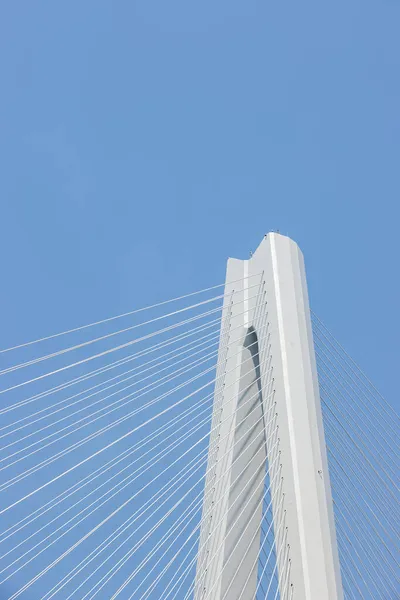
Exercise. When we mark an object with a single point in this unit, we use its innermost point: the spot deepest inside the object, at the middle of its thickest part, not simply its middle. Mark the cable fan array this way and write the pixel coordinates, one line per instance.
(103, 457)
(362, 436)
(108, 459)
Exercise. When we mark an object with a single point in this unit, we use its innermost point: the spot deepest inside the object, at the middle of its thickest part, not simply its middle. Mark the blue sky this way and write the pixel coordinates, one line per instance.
(142, 143)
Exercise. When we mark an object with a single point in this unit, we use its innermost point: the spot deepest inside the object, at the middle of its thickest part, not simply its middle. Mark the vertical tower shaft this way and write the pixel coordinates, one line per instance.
(270, 385)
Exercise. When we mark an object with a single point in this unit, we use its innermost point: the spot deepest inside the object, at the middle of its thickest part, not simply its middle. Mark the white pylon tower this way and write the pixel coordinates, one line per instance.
(270, 363)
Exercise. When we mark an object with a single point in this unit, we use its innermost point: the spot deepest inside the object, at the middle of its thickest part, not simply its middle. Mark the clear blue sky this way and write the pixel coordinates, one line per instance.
(144, 142)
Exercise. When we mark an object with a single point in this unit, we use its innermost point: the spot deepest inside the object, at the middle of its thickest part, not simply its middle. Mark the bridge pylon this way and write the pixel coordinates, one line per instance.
(268, 408)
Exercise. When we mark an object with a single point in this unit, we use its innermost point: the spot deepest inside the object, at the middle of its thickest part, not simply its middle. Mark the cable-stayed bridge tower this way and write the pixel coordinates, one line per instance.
(219, 445)
(270, 360)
